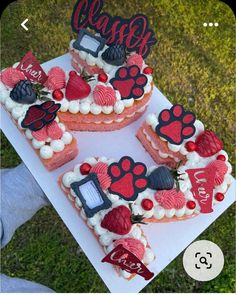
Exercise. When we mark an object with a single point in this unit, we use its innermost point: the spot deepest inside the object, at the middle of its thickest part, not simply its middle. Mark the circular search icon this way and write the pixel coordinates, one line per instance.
(203, 260)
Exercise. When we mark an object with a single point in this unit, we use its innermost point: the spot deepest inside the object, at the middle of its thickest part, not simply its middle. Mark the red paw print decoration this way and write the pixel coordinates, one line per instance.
(128, 178)
(41, 115)
(176, 124)
(129, 82)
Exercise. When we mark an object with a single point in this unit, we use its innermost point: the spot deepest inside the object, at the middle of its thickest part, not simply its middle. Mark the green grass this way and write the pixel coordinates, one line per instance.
(190, 61)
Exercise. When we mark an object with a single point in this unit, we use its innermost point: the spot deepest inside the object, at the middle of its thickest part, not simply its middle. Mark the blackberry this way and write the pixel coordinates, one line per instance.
(114, 55)
(23, 93)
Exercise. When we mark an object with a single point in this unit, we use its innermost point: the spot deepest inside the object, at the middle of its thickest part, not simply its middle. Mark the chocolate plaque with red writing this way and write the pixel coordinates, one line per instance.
(31, 68)
(202, 180)
(128, 261)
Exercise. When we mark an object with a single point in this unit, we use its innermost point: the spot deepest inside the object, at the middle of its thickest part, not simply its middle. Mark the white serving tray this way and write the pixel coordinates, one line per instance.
(167, 240)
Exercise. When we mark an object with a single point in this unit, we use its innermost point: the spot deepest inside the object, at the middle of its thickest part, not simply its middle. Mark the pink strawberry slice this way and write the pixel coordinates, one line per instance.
(40, 135)
(77, 88)
(124, 87)
(173, 131)
(124, 186)
(54, 131)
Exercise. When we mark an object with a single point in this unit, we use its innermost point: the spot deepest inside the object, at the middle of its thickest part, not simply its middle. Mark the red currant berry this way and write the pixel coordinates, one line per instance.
(148, 70)
(191, 205)
(147, 204)
(102, 77)
(221, 158)
(72, 73)
(85, 168)
(190, 146)
(57, 94)
(219, 197)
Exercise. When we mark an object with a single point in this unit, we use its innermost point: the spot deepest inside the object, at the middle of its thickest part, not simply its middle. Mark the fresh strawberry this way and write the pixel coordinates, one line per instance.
(221, 169)
(77, 87)
(133, 245)
(120, 219)
(56, 78)
(208, 144)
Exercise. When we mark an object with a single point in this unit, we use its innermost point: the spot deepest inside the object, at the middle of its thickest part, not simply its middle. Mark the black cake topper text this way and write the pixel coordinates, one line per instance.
(133, 33)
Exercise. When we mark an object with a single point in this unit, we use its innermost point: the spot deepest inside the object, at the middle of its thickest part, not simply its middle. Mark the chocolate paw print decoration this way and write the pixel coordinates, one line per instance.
(128, 178)
(129, 82)
(176, 124)
(41, 115)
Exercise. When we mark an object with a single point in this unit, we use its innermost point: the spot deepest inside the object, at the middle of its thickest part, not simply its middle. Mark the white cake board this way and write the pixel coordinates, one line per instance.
(167, 240)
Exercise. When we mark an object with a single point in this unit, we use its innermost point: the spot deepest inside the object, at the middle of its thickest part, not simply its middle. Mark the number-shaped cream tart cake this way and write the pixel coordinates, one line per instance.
(116, 198)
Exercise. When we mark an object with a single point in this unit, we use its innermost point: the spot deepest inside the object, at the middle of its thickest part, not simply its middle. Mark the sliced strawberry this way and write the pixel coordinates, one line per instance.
(40, 135)
(54, 131)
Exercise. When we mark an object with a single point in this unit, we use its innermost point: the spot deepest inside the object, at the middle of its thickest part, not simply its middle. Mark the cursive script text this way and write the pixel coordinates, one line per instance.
(134, 33)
